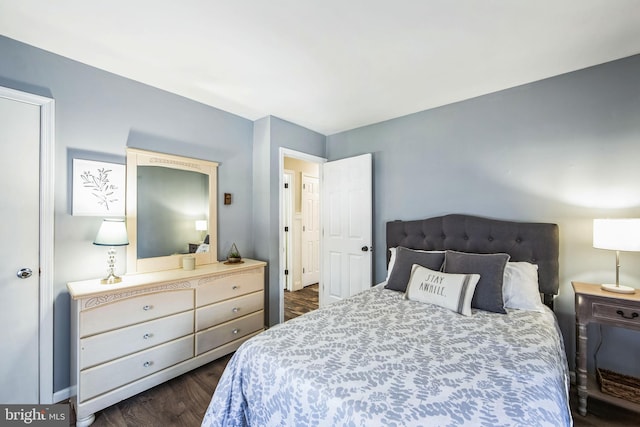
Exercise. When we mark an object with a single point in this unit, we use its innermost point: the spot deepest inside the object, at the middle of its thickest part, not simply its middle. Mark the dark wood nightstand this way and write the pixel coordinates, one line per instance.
(193, 247)
(607, 308)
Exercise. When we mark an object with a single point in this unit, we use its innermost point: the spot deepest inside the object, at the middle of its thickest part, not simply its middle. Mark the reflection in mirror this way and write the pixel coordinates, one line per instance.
(174, 203)
(171, 211)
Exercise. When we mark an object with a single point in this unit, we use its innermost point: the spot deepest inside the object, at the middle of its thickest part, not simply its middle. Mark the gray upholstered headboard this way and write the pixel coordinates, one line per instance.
(537, 243)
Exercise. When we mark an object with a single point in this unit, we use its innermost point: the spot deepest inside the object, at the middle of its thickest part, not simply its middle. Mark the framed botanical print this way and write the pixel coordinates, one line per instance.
(98, 188)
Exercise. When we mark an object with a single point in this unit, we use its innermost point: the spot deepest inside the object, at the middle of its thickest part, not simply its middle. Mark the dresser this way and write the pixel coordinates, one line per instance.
(594, 305)
(130, 336)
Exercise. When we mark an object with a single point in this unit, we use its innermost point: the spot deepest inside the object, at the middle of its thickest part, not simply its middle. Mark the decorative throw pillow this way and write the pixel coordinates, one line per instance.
(392, 258)
(405, 258)
(452, 291)
(490, 267)
(520, 288)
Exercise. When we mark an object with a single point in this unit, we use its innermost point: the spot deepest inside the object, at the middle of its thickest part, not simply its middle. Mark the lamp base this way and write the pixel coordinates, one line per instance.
(111, 279)
(618, 289)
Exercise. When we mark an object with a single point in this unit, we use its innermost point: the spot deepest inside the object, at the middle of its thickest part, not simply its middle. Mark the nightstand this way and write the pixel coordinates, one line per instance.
(607, 308)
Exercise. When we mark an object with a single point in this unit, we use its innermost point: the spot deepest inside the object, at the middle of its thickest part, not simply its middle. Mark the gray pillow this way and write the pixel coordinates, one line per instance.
(405, 258)
(490, 267)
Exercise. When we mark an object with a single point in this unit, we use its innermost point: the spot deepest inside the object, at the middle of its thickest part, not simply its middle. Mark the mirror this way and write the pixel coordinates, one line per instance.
(171, 211)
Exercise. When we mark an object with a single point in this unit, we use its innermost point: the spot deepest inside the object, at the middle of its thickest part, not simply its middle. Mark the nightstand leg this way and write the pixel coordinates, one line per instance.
(581, 367)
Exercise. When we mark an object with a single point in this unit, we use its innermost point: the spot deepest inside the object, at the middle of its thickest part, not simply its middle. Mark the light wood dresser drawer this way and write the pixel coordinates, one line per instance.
(227, 332)
(134, 310)
(230, 286)
(224, 311)
(107, 346)
(102, 378)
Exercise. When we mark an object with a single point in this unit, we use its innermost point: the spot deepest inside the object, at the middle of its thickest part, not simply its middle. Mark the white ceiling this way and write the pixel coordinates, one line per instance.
(329, 65)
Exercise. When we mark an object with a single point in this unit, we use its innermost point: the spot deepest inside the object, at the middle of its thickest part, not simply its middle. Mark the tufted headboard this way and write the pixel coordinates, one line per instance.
(537, 243)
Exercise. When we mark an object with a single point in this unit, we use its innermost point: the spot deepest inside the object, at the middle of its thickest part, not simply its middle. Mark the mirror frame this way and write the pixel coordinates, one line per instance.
(135, 158)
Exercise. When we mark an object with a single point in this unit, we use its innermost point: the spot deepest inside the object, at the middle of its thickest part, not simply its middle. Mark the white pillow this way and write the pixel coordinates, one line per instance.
(202, 248)
(520, 287)
(392, 260)
(452, 291)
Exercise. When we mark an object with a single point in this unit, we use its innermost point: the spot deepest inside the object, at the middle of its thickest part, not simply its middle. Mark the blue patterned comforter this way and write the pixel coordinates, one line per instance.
(377, 359)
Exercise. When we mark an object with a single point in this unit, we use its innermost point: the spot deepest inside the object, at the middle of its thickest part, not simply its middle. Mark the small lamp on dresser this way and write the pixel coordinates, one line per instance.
(201, 226)
(617, 235)
(112, 233)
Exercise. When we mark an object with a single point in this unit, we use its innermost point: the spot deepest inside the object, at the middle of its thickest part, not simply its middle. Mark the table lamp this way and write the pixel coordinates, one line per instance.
(201, 226)
(112, 233)
(617, 235)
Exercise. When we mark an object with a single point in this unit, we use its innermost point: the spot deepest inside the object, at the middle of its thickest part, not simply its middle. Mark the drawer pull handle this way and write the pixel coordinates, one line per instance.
(236, 331)
(235, 309)
(147, 364)
(147, 307)
(234, 287)
(633, 315)
(147, 336)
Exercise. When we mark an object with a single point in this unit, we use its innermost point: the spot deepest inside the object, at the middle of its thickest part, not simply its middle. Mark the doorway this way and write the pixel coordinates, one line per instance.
(345, 243)
(27, 252)
(299, 232)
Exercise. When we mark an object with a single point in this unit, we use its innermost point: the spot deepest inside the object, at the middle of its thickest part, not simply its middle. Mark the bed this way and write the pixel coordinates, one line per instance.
(387, 357)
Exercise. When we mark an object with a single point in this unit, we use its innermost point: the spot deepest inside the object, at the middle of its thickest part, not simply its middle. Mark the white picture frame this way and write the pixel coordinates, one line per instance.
(98, 188)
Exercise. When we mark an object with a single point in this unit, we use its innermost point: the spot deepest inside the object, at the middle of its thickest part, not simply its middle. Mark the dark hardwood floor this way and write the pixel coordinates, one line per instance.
(300, 302)
(182, 402)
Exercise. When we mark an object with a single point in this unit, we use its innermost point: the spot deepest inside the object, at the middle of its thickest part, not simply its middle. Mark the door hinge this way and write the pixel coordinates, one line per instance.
(286, 272)
(286, 229)
(286, 185)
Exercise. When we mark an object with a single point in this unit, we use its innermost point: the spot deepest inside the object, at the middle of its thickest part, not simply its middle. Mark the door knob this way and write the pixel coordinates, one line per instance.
(24, 273)
(365, 249)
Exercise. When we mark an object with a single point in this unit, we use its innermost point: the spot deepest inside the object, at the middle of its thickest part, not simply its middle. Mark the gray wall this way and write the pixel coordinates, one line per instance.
(563, 150)
(98, 114)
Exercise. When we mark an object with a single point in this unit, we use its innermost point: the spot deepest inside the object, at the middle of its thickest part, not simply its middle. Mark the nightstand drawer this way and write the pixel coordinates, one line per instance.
(134, 310)
(617, 313)
(121, 342)
(102, 378)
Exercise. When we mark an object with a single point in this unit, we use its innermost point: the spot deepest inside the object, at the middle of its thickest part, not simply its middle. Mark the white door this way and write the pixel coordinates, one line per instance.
(347, 227)
(19, 204)
(310, 230)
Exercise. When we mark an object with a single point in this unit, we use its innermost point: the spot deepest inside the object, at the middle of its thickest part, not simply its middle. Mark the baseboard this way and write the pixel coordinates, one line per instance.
(64, 394)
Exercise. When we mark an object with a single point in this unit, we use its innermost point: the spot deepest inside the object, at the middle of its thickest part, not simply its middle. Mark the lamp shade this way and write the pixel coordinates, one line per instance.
(112, 232)
(617, 234)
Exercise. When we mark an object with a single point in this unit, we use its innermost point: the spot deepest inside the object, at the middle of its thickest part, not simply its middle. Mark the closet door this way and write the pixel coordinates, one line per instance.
(310, 206)
(19, 251)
